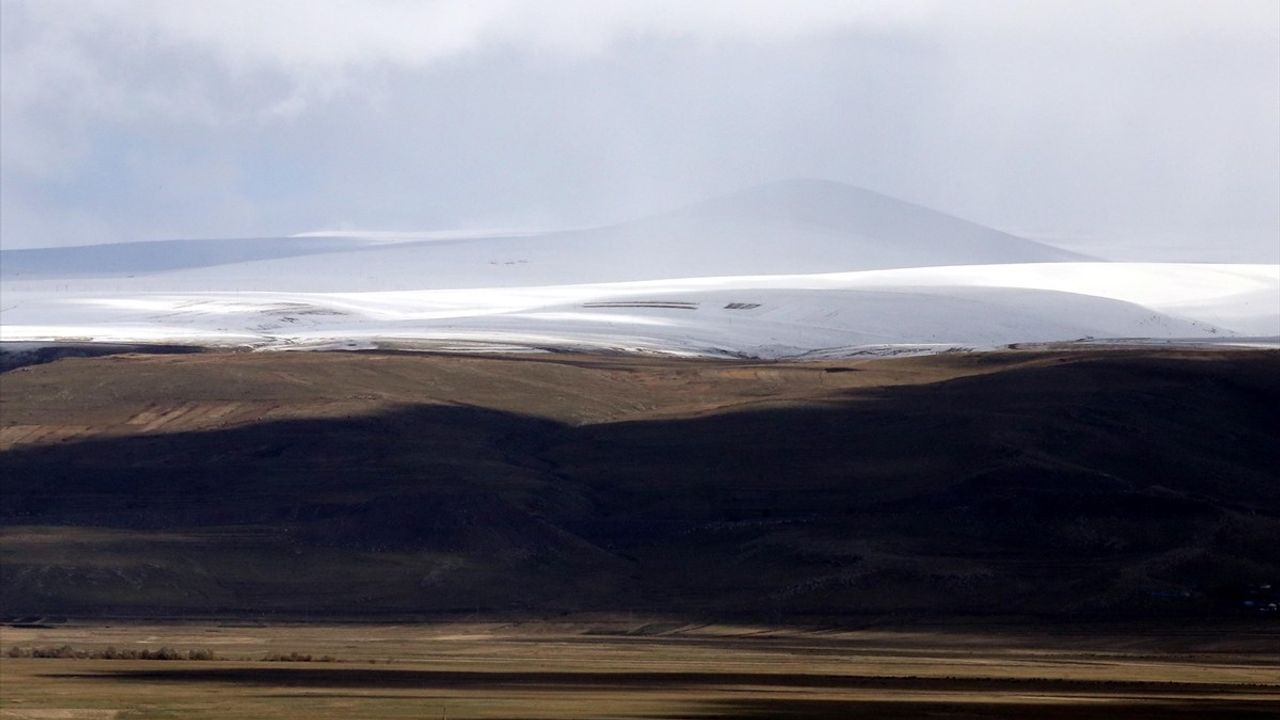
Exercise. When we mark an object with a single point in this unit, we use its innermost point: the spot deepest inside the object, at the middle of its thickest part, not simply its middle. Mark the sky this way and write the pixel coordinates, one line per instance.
(1146, 129)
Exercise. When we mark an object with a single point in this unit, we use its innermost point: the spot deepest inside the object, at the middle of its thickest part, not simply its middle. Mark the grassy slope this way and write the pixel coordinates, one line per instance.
(1048, 484)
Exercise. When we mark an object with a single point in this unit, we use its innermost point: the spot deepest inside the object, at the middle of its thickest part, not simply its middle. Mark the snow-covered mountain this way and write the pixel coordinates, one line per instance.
(781, 270)
(799, 226)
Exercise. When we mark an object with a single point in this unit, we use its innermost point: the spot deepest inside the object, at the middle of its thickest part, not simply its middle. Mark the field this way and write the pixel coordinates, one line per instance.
(625, 669)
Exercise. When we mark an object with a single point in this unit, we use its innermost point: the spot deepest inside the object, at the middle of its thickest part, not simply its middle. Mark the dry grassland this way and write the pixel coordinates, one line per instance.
(636, 670)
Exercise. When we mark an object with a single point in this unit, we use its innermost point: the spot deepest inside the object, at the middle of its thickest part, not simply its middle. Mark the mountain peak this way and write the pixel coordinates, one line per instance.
(814, 199)
(886, 231)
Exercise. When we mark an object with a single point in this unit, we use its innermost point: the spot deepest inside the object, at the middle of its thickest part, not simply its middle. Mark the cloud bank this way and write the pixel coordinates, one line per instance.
(1141, 124)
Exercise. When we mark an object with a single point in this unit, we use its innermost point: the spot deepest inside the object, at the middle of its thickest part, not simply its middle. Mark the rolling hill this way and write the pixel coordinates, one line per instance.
(1063, 484)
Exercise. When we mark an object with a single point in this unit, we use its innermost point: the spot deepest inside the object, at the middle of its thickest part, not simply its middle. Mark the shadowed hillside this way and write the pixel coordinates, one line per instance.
(1082, 484)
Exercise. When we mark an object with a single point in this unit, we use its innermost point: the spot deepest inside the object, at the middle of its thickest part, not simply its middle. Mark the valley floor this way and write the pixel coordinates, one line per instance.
(634, 669)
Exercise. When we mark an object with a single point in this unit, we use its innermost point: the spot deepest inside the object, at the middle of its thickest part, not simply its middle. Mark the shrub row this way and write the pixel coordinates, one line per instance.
(164, 653)
(111, 653)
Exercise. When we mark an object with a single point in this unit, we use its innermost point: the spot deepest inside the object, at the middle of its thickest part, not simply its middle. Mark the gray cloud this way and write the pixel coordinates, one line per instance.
(1138, 126)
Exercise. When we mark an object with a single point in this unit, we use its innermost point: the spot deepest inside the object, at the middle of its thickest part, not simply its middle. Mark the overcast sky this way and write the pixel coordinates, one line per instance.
(1140, 127)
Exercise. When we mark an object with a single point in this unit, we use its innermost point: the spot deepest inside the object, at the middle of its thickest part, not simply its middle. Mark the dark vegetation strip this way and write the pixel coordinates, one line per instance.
(67, 652)
(444, 679)
(1038, 708)
(12, 359)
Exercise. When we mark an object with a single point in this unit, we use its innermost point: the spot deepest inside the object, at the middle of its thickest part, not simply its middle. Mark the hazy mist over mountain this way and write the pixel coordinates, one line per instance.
(1135, 131)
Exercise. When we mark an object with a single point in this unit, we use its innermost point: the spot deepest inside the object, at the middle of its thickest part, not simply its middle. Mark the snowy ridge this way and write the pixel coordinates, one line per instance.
(747, 274)
(756, 316)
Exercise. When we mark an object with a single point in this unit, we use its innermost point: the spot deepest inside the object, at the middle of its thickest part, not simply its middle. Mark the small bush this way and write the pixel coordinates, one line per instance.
(62, 652)
(291, 657)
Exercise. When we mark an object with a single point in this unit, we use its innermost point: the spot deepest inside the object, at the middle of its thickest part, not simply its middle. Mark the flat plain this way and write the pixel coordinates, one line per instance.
(629, 669)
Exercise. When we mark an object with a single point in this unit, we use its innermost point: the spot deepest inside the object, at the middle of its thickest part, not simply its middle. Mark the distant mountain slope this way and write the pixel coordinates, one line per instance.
(159, 256)
(780, 270)
(819, 225)
(780, 228)
(800, 226)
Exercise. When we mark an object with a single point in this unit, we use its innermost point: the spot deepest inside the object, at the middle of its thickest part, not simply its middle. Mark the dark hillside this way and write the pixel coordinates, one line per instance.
(1089, 484)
